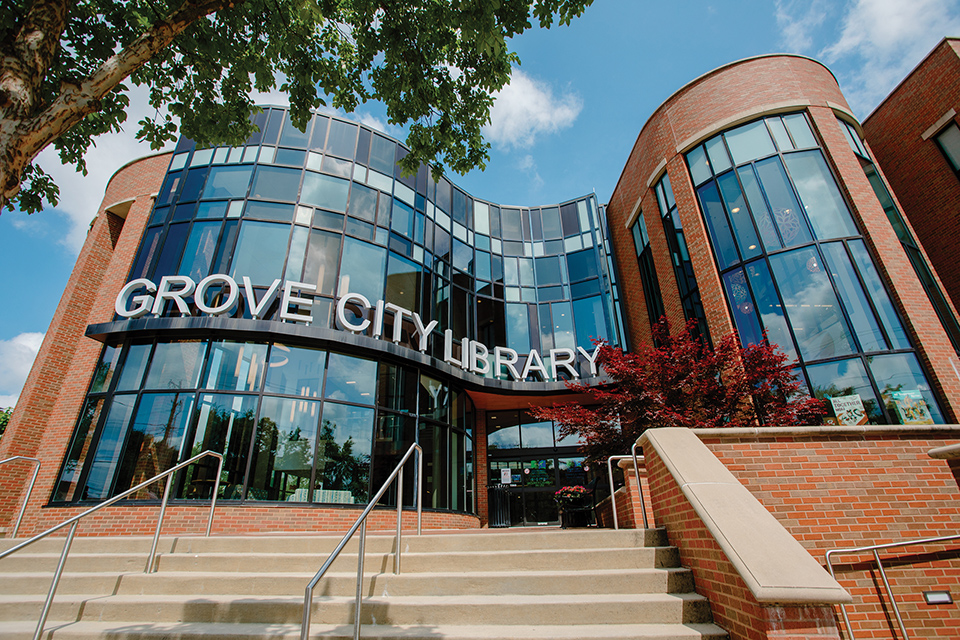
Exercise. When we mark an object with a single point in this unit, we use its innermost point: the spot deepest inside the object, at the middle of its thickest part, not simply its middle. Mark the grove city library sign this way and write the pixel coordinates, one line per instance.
(142, 296)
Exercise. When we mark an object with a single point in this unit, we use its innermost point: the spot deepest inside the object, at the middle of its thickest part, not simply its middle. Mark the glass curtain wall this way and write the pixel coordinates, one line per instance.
(295, 425)
(795, 266)
(331, 208)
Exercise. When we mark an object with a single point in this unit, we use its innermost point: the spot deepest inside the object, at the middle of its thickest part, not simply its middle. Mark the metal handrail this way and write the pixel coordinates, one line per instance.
(886, 584)
(636, 473)
(362, 524)
(33, 481)
(74, 521)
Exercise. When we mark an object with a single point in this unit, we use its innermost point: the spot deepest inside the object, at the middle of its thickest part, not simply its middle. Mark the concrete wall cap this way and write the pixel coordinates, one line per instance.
(949, 452)
(774, 566)
(830, 430)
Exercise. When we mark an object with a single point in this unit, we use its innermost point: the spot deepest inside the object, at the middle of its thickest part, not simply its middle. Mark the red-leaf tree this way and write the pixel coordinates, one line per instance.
(683, 383)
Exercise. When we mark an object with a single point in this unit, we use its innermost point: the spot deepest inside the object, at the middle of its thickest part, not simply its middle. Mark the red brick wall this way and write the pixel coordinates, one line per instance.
(54, 391)
(840, 489)
(924, 182)
(241, 520)
(731, 602)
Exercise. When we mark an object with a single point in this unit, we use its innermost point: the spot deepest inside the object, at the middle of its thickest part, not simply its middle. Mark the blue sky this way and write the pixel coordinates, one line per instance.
(563, 128)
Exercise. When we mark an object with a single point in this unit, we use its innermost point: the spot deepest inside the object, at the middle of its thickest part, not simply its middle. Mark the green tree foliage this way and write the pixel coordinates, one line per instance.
(683, 383)
(434, 63)
(5, 418)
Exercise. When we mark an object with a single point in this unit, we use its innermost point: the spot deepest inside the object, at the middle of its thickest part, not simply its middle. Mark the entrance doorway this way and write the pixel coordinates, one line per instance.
(527, 462)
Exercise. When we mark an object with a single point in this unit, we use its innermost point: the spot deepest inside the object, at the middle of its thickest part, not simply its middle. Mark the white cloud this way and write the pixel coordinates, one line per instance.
(875, 43)
(526, 108)
(16, 358)
(889, 38)
(529, 166)
(798, 21)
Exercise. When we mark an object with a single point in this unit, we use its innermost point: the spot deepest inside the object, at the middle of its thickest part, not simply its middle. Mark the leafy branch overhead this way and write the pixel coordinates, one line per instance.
(683, 383)
(435, 65)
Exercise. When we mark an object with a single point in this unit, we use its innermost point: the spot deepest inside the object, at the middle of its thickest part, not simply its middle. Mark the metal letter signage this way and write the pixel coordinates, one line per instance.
(354, 313)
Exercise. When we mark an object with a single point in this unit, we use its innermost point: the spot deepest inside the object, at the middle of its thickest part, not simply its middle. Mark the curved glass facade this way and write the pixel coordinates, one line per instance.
(298, 304)
(795, 266)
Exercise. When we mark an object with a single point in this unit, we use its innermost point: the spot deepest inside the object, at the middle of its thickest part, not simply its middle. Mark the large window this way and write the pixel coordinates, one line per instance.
(797, 273)
(295, 425)
(949, 142)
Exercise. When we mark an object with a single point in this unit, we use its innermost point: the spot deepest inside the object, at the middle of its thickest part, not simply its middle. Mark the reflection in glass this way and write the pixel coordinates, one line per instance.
(276, 183)
(395, 434)
(225, 425)
(227, 182)
(744, 313)
(905, 390)
(350, 379)
(854, 300)
(295, 371)
(720, 233)
(590, 322)
(821, 199)
(362, 269)
(770, 309)
(811, 305)
(749, 142)
(261, 249)
(105, 370)
(758, 205)
(107, 457)
(434, 399)
(78, 449)
(199, 250)
(343, 454)
(844, 379)
(878, 293)
(325, 192)
(153, 442)
(133, 367)
(235, 366)
(283, 450)
(175, 365)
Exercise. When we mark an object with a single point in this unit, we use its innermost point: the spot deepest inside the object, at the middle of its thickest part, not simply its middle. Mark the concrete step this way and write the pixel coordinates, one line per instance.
(667, 580)
(260, 631)
(533, 584)
(534, 559)
(597, 609)
(381, 542)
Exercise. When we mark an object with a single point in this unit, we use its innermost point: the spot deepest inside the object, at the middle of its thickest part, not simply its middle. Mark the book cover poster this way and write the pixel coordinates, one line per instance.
(849, 410)
(911, 407)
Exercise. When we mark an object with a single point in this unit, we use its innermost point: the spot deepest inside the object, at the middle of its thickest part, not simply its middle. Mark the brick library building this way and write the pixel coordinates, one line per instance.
(301, 307)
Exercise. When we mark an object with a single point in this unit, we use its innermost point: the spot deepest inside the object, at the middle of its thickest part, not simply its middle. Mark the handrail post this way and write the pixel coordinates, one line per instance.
(216, 493)
(613, 495)
(55, 583)
(893, 601)
(419, 488)
(33, 482)
(156, 534)
(396, 561)
(636, 473)
(843, 608)
(356, 615)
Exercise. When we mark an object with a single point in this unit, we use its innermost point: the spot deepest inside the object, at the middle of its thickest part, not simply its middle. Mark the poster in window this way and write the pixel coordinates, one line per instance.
(911, 407)
(849, 410)
(505, 476)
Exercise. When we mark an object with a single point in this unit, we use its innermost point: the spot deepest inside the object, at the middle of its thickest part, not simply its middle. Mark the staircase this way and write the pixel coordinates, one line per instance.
(489, 585)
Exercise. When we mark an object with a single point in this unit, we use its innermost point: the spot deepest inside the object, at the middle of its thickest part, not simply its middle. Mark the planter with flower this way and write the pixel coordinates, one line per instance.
(575, 507)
